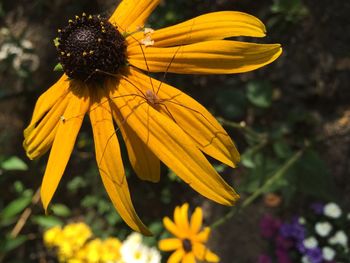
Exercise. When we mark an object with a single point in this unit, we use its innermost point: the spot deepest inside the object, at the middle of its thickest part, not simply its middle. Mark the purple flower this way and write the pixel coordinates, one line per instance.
(301, 247)
(269, 226)
(314, 255)
(282, 256)
(317, 207)
(264, 259)
(293, 230)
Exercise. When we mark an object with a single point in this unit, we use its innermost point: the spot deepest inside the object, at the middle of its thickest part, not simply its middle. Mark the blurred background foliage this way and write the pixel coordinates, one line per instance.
(290, 121)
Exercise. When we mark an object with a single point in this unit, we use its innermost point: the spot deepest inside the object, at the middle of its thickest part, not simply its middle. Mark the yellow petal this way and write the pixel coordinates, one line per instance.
(209, 57)
(176, 256)
(211, 26)
(203, 236)
(145, 164)
(38, 140)
(63, 144)
(192, 117)
(110, 163)
(170, 244)
(38, 137)
(189, 258)
(172, 228)
(203, 253)
(49, 98)
(181, 217)
(173, 147)
(132, 14)
(196, 220)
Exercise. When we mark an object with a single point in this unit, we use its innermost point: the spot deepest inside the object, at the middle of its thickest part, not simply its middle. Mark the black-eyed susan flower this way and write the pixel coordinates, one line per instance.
(104, 63)
(189, 243)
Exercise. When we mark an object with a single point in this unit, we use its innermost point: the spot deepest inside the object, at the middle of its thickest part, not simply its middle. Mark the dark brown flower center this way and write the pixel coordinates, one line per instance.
(187, 245)
(90, 47)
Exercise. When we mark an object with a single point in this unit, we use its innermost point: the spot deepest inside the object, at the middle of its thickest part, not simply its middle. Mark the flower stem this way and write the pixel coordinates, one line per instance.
(277, 176)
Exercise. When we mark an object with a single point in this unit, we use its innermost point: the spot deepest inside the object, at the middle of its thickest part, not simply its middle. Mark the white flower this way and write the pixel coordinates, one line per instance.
(4, 31)
(30, 61)
(301, 220)
(332, 210)
(26, 44)
(310, 242)
(323, 228)
(154, 256)
(328, 253)
(134, 251)
(305, 259)
(339, 238)
(10, 49)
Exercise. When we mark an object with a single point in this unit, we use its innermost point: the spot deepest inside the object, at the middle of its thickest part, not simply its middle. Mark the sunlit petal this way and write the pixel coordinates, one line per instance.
(189, 258)
(110, 163)
(211, 26)
(192, 117)
(145, 164)
(176, 256)
(170, 244)
(172, 228)
(63, 144)
(131, 15)
(40, 133)
(196, 220)
(209, 57)
(203, 236)
(203, 253)
(173, 147)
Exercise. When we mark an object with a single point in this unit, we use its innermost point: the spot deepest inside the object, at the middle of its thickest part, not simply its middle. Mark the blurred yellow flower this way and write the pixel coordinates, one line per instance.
(190, 241)
(103, 62)
(73, 245)
(51, 236)
(111, 250)
(67, 240)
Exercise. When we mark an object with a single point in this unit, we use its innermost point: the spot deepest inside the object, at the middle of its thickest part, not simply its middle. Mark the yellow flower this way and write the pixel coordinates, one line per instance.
(189, 242)
(103, 62)
(51, 236)
(72, 239)
(92, 251)
(111, 250)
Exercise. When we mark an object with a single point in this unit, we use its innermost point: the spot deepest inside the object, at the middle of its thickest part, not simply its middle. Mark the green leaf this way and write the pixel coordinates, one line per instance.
(60, 210)
(14, 163)
(282, 149)
(15, 207)
(156, 228)
(247, 159)
(312, 177)
(11, 243)
(58, 67)
(259, 93)
(47, 221)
